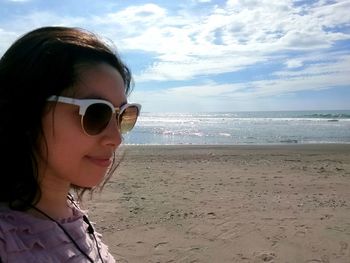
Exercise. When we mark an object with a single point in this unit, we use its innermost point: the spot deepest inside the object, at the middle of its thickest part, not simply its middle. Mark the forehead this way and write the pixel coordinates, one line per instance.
(101, 81)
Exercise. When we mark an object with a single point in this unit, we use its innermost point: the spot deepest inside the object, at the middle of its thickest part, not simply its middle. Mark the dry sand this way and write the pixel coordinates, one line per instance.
(228, 204)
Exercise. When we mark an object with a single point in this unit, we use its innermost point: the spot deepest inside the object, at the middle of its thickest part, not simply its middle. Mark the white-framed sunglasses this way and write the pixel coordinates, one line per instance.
(96, 114)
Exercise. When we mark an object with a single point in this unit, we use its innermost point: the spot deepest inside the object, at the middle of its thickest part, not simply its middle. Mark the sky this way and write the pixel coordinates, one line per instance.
(212, 56)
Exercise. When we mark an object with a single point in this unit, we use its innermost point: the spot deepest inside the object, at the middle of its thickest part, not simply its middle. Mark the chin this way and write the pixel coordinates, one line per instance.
(92, 182)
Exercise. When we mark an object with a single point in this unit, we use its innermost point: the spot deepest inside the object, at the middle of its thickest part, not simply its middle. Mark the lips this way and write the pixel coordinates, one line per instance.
(100, 161)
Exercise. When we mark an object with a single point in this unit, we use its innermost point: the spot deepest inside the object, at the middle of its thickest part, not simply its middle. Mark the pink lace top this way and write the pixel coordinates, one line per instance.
(24, 238)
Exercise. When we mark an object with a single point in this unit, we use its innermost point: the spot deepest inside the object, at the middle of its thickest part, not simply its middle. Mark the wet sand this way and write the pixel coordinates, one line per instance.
(288, 203)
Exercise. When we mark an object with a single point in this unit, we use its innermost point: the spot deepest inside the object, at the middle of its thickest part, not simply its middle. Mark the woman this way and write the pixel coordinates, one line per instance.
(63, 109)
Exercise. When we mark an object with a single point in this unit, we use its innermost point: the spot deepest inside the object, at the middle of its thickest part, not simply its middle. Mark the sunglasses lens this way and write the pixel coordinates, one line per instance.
(128, 119)
(96, 118)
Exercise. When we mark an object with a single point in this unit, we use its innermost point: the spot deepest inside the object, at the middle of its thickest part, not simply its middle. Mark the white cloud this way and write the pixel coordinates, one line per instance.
(143, 15)
(19, 1)
(207, 90)
(189, 68)
(259, 26)
(294, 63)
(318, 75)
(187, 44)
(6, 37)
(332, 15)
(335, 63)
(21, 24)
(244, 31)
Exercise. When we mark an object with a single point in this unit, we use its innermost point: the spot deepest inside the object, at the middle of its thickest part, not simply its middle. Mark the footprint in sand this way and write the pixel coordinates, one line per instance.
(343, 247)
(265, 256)
(324, 259)
(160, 245)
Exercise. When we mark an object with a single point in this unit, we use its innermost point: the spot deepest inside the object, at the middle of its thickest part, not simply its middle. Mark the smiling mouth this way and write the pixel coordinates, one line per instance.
(102, 162)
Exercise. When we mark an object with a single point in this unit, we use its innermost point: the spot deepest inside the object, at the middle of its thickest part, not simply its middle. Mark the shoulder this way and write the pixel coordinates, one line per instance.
(3, 253)
(25, 238)
(9, 232)
(21, 234)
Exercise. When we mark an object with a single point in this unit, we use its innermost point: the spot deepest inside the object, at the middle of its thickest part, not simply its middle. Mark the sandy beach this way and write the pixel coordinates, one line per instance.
(287, 203)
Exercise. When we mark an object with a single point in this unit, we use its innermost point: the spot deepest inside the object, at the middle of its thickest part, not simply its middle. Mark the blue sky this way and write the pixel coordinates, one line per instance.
(206, 55)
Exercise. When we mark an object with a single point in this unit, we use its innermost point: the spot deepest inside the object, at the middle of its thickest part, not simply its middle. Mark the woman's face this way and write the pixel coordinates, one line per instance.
(74, 157)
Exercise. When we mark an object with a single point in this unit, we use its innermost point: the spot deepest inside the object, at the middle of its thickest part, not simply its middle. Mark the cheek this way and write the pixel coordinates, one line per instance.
(69, 163)
(62, 129)
(64, 144)
(65, 148)
(65, 151)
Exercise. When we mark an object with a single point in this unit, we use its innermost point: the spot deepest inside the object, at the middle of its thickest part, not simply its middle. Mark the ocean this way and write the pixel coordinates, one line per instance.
(241, 128)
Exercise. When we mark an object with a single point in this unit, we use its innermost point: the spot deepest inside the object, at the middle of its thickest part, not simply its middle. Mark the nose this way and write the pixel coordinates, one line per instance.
(111, 135)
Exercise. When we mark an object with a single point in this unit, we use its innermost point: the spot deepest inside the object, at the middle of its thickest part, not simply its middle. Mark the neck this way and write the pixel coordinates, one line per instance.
(55, 207)
(53, 200)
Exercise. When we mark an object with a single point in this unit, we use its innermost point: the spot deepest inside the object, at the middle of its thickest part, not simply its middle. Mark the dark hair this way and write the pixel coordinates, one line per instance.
(44, 62)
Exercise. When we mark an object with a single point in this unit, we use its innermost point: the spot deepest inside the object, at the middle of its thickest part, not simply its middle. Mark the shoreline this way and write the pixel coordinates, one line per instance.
(227, 203)
(239, 145)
